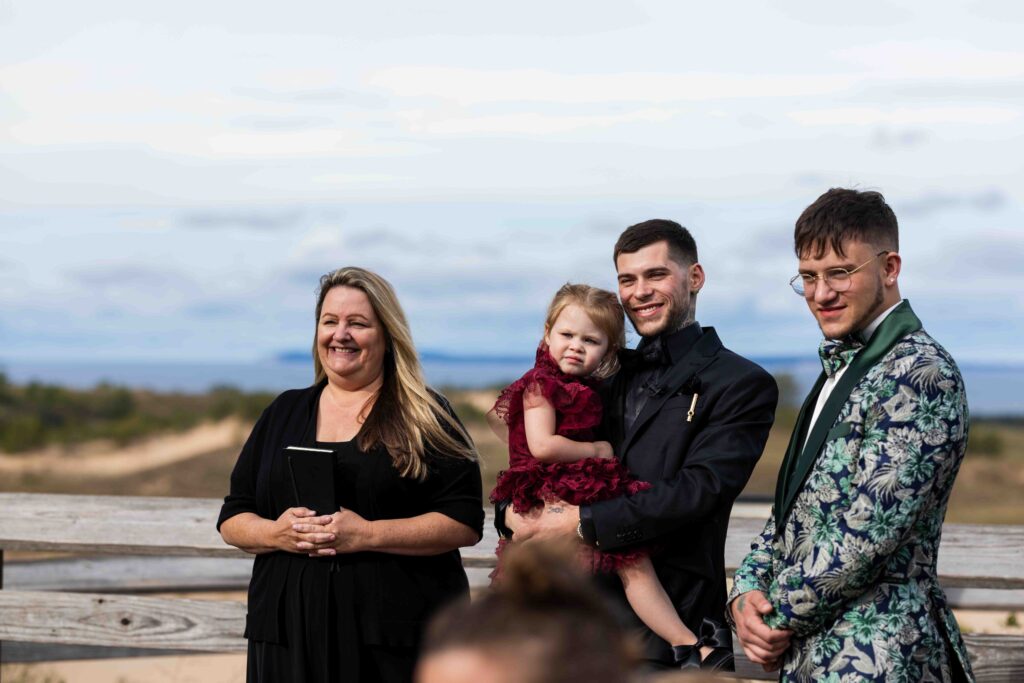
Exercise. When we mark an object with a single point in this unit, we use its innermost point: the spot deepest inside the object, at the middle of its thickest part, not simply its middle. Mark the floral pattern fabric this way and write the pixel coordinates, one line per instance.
(852, 572)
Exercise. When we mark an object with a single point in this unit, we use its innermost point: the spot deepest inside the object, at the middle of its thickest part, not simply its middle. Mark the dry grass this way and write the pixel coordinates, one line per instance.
(987, 489)
(205, 475)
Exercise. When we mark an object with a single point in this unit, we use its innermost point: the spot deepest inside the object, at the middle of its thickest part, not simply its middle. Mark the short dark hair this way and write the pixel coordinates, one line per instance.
(681, 246)
(840, 215)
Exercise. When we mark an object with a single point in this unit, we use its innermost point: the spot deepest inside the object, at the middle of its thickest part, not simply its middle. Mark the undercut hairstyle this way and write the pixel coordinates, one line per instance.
(603, 308)
(406, 418)
(841, 215)
(681, 245)
(543, 619)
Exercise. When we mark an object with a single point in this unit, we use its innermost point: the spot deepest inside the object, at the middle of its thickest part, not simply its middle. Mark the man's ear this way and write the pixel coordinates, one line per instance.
(696, 275)
(892, 266)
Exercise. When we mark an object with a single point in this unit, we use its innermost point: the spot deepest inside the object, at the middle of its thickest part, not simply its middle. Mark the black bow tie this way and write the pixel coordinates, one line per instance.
(649, 355)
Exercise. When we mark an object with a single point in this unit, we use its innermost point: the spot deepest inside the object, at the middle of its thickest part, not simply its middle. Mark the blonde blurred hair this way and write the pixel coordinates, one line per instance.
(406, 417)
(603, 308)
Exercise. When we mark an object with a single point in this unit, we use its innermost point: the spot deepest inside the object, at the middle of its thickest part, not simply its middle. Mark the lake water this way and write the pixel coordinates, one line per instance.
(991, 390)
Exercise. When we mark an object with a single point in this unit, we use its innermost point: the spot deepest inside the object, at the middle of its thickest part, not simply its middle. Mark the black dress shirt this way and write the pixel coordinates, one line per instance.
(656, 356)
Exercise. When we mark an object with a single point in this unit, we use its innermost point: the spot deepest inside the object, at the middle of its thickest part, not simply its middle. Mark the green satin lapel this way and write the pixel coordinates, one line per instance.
(897, 325)
(793, 449)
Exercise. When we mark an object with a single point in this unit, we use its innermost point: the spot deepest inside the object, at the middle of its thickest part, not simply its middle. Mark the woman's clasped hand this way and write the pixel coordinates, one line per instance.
(300, 529)
(326, 535)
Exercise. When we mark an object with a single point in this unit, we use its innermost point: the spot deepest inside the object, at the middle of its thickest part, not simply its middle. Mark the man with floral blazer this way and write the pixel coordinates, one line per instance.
(842, 583)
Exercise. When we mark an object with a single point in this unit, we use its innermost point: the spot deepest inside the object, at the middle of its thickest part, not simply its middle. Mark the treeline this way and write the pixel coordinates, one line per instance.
(36, 414)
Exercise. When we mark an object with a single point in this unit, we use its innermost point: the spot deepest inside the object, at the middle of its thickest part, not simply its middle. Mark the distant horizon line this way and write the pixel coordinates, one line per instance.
(772, 359)
(433, 355)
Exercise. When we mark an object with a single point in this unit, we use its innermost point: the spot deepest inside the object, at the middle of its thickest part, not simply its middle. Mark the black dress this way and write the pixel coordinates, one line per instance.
(357, 616)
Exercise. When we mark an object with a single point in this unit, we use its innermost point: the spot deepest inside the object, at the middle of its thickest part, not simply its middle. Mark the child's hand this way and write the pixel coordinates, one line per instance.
(603, 449)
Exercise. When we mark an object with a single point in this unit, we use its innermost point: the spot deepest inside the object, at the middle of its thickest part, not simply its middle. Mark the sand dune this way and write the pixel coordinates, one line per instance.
(102, 459)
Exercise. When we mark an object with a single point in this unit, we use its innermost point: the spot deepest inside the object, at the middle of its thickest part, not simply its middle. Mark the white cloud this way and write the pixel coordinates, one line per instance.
(357, 178)
(474, 86)
(905, 116)
(426, 122)
(331, 142)
(299, 78)
(929, 58)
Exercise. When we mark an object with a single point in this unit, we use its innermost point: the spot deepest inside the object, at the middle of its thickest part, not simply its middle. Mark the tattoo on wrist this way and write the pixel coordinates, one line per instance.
(743, 599)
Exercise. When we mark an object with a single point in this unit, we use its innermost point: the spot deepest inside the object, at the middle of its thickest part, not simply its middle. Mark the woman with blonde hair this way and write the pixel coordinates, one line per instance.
(342, 586)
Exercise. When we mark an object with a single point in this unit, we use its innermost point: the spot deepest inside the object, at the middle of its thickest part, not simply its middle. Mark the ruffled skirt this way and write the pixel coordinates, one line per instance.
(590, 480)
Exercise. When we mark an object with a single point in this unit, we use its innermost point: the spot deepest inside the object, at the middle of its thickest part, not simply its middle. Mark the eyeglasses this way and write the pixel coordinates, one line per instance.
(837, 279)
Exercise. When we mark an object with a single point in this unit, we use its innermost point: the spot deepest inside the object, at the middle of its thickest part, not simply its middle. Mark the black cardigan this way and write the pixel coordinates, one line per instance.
(397, 592)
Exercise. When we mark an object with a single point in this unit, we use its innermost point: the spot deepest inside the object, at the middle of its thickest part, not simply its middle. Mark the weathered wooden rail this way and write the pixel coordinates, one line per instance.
(980, 566)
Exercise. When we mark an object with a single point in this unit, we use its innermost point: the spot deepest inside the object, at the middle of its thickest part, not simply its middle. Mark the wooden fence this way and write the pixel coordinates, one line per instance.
(980, 566)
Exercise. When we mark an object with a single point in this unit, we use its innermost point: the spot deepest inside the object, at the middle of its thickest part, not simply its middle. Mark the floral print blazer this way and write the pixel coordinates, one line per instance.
(850, 565)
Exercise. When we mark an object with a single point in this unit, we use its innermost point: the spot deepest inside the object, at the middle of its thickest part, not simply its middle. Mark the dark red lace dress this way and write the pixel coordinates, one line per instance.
(528, 482)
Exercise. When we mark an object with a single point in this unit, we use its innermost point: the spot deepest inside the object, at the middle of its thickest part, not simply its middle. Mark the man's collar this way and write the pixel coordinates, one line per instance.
(867, 332)
(676, 344)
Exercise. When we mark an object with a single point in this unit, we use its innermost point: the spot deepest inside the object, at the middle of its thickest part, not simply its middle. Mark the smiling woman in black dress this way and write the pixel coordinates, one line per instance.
(343, 594)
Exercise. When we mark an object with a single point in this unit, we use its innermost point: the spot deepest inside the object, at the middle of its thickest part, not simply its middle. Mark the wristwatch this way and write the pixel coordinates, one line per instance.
(585, 529)
(499, 520)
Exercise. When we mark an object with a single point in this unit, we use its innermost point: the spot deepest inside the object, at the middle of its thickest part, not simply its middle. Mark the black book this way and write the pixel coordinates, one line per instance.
(312, 471)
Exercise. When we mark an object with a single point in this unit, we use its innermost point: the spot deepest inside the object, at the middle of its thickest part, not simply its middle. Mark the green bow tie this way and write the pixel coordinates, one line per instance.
(835, 353)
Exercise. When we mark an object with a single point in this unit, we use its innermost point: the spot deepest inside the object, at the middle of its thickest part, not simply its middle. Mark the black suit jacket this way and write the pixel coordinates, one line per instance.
(697, 468)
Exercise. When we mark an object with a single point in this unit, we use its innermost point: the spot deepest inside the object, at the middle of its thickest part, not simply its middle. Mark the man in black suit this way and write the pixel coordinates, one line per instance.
(685, 414)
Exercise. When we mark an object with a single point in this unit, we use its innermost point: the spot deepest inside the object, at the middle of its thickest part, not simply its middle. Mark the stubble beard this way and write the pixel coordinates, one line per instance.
(676, 318)
(865, 319)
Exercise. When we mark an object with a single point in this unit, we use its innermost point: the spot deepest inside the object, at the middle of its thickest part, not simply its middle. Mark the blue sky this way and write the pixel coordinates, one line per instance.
(174, 178)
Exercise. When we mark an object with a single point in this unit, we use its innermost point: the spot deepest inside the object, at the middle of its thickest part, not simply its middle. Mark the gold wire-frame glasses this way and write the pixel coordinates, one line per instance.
(837, 279)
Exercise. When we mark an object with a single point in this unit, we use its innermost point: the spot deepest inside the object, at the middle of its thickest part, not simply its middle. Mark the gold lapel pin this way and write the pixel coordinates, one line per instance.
(693, 406)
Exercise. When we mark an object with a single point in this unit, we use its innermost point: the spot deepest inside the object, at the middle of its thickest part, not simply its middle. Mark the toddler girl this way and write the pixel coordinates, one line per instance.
(551, 414)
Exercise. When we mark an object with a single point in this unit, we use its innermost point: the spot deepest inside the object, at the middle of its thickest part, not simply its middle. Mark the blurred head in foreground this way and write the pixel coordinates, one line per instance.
(544, 623)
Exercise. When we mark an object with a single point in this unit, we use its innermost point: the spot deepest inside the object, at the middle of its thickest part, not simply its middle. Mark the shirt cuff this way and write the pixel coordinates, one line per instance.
(587, 529)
